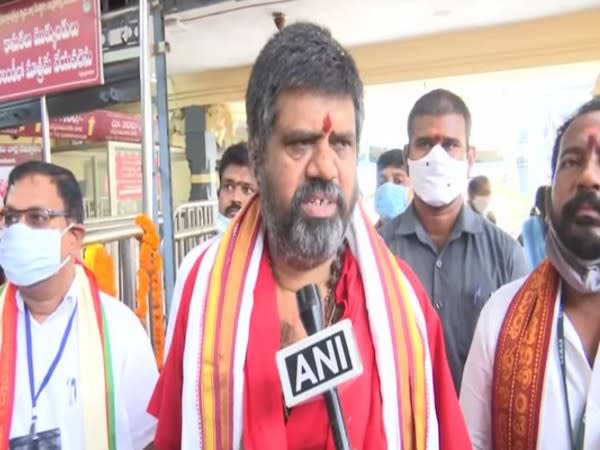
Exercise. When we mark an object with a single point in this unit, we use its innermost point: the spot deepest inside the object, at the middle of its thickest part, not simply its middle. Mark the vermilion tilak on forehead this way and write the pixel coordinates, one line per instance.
(592, 140)
(327, 124)
(437, 138)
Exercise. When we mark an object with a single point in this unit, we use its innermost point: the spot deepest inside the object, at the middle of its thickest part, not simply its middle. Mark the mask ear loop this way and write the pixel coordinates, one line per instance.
(66, 230)
(62, 234)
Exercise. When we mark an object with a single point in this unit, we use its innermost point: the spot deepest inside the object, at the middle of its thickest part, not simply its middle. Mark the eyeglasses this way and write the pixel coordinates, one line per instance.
(34, 217)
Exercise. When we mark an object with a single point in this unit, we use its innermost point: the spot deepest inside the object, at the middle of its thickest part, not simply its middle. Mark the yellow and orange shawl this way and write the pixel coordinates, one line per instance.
(520, 365)
(221, 287)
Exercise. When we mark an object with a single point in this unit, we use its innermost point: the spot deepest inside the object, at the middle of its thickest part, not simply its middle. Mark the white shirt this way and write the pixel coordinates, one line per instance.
(182, 275)
(59, 404)
(582, 382)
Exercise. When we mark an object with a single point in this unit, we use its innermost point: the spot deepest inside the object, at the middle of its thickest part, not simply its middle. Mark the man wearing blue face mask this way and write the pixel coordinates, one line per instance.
(76, 366)
(460, 257)
(392, 196)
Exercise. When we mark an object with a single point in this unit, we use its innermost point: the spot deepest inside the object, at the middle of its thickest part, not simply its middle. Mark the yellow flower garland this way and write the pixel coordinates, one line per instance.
(101, 263)
(150, 282)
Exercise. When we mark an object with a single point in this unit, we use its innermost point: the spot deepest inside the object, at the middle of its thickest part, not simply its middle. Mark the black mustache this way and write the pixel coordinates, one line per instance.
(589, 198)
(234, 207)
(322, 188)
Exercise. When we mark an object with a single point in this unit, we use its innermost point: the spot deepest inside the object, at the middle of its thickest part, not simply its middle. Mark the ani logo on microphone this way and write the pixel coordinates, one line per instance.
(319, 363)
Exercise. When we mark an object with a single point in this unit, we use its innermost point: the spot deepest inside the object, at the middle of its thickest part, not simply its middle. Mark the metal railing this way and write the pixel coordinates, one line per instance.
(195, 222)
(121, 239)
(195, 214)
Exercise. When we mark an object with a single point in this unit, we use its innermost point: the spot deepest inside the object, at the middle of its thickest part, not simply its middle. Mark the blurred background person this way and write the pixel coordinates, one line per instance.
(533, 236)
(393, 193)
(480, 195)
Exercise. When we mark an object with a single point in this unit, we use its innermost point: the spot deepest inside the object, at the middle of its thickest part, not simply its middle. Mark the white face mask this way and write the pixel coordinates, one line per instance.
(481, 203)
(437, 178)
(30, 255)
(222, 223)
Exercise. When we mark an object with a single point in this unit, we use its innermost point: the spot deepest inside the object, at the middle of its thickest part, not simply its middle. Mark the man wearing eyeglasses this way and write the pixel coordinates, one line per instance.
(76, 367)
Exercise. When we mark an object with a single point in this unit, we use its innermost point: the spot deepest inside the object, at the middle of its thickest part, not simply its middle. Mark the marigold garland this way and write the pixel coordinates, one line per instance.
(150, 282)
(101, 263)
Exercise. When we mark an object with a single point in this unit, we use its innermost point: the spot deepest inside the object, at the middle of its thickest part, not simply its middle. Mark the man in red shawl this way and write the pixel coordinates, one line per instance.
(220, 387)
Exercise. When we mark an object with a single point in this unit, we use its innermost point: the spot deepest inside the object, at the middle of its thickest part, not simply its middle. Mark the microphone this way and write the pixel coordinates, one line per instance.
(311, 314)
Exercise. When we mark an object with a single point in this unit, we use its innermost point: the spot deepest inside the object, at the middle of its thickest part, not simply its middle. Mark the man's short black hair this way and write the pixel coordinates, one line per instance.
(588, 107)
(439, 102)
(301, 57)
(476, 184)
(236, 155)
(391, 158)
(66, 184)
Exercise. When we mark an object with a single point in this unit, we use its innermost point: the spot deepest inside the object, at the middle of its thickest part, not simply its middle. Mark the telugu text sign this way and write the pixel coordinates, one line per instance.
(48, 46)
(95, 126)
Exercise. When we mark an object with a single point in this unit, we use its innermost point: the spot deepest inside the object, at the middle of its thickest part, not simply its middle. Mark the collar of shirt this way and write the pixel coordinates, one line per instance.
(65, 307)
(468, 222)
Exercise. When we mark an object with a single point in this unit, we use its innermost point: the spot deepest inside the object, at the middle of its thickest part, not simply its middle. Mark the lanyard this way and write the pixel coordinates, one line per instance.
(35, 395)
(575, 438)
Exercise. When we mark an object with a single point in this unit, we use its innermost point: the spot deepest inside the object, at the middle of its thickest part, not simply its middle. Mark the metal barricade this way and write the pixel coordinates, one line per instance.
(192, 215)
(195, 222)
(121, 239)
(188, 239)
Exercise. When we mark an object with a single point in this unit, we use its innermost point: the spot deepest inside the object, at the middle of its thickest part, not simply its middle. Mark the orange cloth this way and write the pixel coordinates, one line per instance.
(520, 363)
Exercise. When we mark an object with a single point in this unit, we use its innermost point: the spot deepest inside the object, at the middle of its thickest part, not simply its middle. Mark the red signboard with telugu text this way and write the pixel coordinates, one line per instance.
(49, 46)
(95, 126)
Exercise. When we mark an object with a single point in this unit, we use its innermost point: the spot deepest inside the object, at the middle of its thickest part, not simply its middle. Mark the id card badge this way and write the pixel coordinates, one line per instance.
(45, 440)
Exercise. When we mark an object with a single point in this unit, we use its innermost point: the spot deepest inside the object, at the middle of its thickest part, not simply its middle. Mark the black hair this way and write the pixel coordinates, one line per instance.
(439, 102)
(236, 155)
(476, 184)
(588, 107)
(302, 56)
(540, 198)
(390, 158)
(66, 184)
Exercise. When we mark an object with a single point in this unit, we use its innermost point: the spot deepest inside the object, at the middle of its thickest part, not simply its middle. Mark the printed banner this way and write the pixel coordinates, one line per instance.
(49, 46)
(129, 174)
(96, 126)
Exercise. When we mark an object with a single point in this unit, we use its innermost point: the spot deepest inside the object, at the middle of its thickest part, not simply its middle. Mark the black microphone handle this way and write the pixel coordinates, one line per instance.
(310, 308)
(336, 418)
(311, 314)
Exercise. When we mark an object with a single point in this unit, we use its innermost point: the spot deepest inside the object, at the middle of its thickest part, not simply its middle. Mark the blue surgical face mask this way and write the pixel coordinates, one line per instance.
(30, 255)
(391, 200)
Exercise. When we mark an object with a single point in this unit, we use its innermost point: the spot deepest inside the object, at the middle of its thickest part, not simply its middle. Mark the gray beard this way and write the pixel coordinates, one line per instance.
(303, 243)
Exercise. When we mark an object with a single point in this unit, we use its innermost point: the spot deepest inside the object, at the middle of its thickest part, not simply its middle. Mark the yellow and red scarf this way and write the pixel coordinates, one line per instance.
(520, 365)
(95, 357)
(221, 287)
